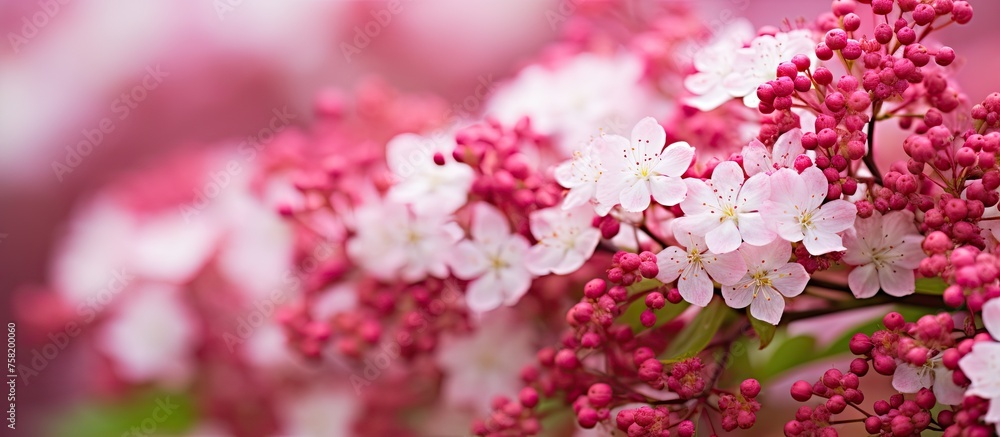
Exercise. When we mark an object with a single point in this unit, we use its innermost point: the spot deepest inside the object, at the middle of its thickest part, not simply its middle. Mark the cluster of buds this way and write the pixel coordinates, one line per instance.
(511, 417)
(504, 175)
(648, 421)
(740, 411)
(628, 268)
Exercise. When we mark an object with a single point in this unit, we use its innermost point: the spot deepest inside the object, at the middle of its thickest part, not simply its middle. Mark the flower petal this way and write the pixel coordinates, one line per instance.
(485, 294)
(675, 159)
(667, 190)
(695, 286)
(991, 317)
(727, 179)
(468, 261)
(945, 389)
(863, 281)
(724, 238)
(671, 261)
(648, 138)
(818, 242)
(910, 379)
(489, 225)
(790, 279)
(725, 268)
(754, 231)
(754, 193)
(768, 306)
(635, 198)
(835, 216)
(739, 295)
(756, 158)
(897, 281)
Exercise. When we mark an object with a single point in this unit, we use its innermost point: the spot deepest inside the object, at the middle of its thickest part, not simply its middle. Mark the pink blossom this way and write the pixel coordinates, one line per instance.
(757, 159)
(494, 259)
(796, 211)
(580, 175)
(886, 250)
(982, 365)
(641, 167)
(725, 209)
(696, 267)
(770, 279)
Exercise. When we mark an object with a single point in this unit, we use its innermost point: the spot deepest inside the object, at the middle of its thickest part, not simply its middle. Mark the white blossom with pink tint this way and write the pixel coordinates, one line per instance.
(695, 268)
(982, 365)
(566, 239)
(486, 362)
(796, 211)
(580, 175)
(758, 63)
(423, 184)
(757, 159)
(577, 99)
(715, 64)
(391, 241)
(493, 259)
(933, 375)
(640, 168)
(151, 336)
(769, 280)
(108, 241)
(885, 250)
(321, 411)
(725, 209)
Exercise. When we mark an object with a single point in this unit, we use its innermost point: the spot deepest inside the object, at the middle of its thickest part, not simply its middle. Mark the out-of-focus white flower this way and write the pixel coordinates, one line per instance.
(758, 63)
(392, 241)
(715, 63)
(494, 259)
(319, 412)
(107, 243)
(151, 335)
(885, 250)
(575, 101)
(639, 168)
(423, 184)
(796, 211)
(724, 209)
(487, 362)
(566, 239)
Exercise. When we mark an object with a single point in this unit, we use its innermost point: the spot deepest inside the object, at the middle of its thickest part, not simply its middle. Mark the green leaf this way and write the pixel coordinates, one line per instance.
(171, 413)
(697, 334)
(790, 353)
(765, 331)
(934, 286)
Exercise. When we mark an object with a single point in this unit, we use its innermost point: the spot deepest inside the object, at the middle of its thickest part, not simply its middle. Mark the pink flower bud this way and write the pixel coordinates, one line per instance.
(599, 395)
(801, 391)
(750, 388)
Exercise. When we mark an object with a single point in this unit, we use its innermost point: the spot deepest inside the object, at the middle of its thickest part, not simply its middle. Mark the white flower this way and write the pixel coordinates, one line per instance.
(770, 279)
(796, 211)
(910, 379)
(319, 411)
(757, 159)
(758, 63)
(487, 362)
(151, 336)
(636, 169)
(576, 100)
(715, 63)
(494, 259)
(982, 365)
(580, 176)
(886, 249)
(696, 267)
(565, 237)
(725, 209)
(422, 183)
(393, 242)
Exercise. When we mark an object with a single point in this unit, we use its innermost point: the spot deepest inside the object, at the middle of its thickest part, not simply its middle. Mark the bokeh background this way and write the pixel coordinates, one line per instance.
(227, 64)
